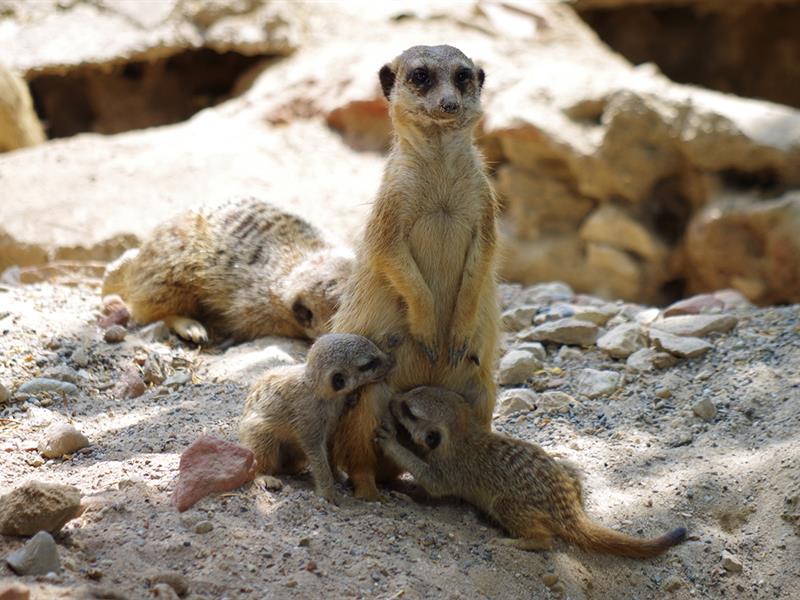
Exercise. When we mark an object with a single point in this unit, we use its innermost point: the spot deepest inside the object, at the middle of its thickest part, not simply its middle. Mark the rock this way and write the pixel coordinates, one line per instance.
(62, 373)
(680, 346)
(211, 465)
(131, 384)
(549, 579)
(517, 318)
(118, 317)
(115, 334)
(615, 273)
(80, 357)
(593, 383)
(39, 556)
(174, 580)
(696, 325)
(731, 562)
(705, 409)
(543, 293)
(554, 312)
(153, 370)
(154, 332)
(19, 125)
(270, 483)
(622, 341)
(555, 402)
(611, 225)
(731, 299)
(747, 243)
(203, 527)
(60, 439)
(672, 583)
(163, 592)
(516, 366)
(564, 331)
(5, 395)
(699, 304)
(245, 363)
(599, 314)
(516, 400)
(178, 379)
(14, 591)
(37, 506)
(39, 385)
(534, 348)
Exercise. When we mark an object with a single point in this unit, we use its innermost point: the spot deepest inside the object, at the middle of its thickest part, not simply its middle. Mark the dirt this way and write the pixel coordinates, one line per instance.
(650, 465)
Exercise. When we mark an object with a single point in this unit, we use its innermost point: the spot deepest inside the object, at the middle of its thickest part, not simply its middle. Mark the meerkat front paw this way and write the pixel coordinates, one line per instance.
(427, 345)
(188, 329)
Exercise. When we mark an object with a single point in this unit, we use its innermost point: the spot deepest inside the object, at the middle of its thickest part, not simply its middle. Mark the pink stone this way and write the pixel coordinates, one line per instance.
(211, 465)
(131, 384)
(14, 591)
(732, 299)
(702, 303)
(120, 316)
(111, 303)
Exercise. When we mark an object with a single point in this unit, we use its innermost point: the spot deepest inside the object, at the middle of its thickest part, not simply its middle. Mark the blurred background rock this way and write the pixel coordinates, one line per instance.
(643, 149)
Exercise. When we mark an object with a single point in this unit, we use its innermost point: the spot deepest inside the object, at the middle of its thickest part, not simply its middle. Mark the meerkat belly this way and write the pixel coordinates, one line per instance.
(439, 244)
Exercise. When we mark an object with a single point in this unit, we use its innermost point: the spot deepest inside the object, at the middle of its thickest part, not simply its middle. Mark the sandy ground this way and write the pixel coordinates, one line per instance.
(650, 465)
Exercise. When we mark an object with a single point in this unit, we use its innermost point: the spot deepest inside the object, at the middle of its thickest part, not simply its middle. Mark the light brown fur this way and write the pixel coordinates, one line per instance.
(245, 268)
(291, 412)
(426, 266)
(431, 434)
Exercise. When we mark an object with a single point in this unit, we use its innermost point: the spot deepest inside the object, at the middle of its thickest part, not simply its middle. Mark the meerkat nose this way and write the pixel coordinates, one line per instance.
(449, 104)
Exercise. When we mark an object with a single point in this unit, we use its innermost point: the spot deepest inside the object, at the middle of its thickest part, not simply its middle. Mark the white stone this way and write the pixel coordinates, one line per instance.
(534, 348)
(517, 318)
(516, 366)
(705, 409)
(573, 332)
(648, 359)
(696, 325)
(516, 400)
(622, 341)
(680, 346)
(555, 402)
(593, 383)
(60, 439)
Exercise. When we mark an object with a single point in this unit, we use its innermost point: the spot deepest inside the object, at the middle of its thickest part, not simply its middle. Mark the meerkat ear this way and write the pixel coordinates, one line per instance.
(386, 75)
(481, 78)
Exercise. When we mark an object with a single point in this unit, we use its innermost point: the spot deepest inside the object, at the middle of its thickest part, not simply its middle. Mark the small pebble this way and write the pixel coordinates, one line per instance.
(60, 439)
(39, 556)
(115, 334)
(203, 527)
(730, 562)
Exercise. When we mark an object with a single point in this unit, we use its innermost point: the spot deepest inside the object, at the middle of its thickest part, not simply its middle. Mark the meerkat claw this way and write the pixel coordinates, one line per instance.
(456, 355)
(429, 352)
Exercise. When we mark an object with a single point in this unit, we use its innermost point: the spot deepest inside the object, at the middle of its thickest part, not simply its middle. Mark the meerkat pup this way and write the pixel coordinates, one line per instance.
(426, 266)
(246, 268)
(533, 496)
(291, 412)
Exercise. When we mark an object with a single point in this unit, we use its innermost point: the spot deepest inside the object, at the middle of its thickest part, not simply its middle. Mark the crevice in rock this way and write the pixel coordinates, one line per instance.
(110, 99)
(749, 50)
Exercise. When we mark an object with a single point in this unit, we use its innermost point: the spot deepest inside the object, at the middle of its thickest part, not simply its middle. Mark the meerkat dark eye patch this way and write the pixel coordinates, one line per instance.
(338, 382)
(481, 78)
(386, 76)
(371, 365)
(420, 76)
(463, 76)
(302, 314)
(433, 439)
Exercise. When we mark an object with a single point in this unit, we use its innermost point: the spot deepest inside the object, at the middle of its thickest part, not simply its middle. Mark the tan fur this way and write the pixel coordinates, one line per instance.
(19, 125)
(426, 266)
(533, 496)
(246, 268)
(291, 412)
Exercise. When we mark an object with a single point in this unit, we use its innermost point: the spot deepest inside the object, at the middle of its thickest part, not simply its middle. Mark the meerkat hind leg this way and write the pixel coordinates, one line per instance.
(187, 328)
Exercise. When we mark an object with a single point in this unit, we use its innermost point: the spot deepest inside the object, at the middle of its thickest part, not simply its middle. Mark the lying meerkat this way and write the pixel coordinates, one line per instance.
(533, 496)
(245, 268)
(426, 266)
(291, 412)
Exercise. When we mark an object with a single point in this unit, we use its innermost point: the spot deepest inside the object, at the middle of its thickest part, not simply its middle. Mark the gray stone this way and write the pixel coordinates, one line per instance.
(516, 366)
(705, 409)
(517, 318)
(555, 402)
(593, 383)
(153, 371)
(534, 348)
(154, 332)
(80, 357)
(648, 359)
(40, 385)
(203, 527)
(37, 506)
(60, 439)
(554, 291)
(599, 314)
(62, 373)
(731, 562)
(696, 325)
(680, 346)
(573, 332)
(39, 556)
(622, 341)
(178, 379)
(115, 334)
(516, 400)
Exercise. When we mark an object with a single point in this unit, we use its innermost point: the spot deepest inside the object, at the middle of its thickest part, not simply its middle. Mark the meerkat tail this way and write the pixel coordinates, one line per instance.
(591, 536)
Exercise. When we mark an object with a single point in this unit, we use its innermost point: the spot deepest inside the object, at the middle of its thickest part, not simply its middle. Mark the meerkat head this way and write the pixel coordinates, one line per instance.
(429, 418)
(313, 289)
(433, 86)
(340, 363)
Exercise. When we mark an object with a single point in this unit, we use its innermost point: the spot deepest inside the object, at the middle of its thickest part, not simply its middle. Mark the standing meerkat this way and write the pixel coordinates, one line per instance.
(533, 496)
(245, 268)
(291, 412)
(426, 266)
